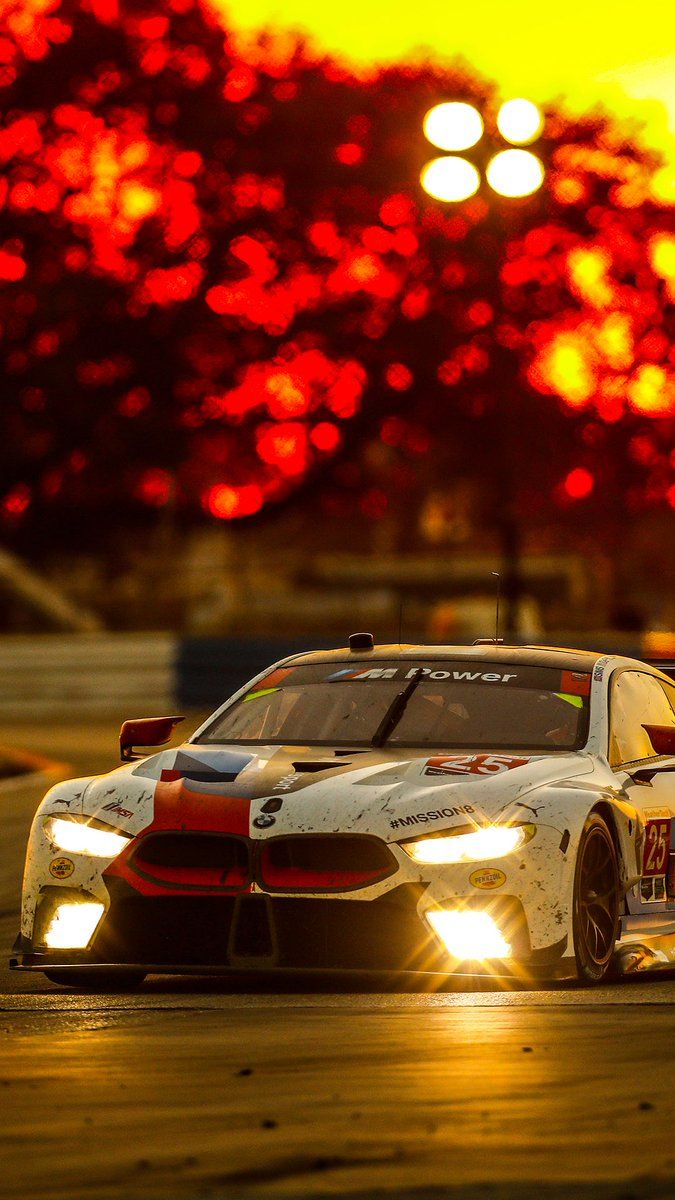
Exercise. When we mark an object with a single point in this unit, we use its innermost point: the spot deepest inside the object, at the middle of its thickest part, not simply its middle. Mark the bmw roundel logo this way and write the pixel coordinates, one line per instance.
(264, 821)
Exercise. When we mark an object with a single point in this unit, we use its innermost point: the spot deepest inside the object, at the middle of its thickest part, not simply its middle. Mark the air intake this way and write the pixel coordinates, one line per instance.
(361, 641)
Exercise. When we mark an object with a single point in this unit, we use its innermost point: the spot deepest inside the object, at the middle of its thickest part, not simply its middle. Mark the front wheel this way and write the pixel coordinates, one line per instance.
(596, 901)
(97, 981)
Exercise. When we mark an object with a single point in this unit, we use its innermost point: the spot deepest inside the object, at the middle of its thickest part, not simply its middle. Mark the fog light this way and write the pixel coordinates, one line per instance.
(468, 935)
(73, 924)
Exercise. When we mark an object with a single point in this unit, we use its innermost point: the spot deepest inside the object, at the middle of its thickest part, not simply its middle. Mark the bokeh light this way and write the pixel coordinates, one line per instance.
(520, 121)
(515, 173)
(579, 483)
(450, 179)
(453, 125)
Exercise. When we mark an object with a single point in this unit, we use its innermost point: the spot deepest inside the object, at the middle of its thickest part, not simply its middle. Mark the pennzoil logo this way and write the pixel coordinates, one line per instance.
(487, 878)
(61, 868)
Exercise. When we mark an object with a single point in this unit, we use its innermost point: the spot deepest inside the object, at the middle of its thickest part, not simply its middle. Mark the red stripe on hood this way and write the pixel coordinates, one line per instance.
(178, 810)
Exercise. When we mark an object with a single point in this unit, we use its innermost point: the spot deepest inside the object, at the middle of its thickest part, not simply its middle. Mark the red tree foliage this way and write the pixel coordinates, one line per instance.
(217, 272)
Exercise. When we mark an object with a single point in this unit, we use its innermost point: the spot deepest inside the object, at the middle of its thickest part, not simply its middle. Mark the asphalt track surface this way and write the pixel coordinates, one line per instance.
(250, 1088)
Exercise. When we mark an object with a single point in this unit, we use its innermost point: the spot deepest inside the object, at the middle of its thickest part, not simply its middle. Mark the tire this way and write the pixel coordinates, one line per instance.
(97, 981)
(595, 901)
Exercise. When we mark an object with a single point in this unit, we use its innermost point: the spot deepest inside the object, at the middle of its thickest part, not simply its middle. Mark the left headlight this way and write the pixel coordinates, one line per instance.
(490, 841)
(80, 838)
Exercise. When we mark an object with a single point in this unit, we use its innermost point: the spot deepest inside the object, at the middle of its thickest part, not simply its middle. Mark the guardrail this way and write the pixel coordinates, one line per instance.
(97, 674)
(61, 675)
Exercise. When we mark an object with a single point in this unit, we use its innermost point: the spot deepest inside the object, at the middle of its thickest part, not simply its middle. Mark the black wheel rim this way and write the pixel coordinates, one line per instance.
(598, 898)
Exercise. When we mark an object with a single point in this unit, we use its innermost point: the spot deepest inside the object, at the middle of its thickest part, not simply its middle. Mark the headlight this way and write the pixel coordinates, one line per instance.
(79, 838)
(491, 841)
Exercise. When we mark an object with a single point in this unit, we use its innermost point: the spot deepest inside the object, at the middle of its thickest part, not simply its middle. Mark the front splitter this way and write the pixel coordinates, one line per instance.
(513, 973)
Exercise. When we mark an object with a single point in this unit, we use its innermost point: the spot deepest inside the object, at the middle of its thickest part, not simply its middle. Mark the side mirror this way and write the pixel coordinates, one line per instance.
(146, 731)
(662, 738)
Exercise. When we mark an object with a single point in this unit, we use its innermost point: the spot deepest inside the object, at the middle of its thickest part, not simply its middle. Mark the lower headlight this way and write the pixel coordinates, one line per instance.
(469, 936)
(73, 924)
(80, 838)
(489, 841)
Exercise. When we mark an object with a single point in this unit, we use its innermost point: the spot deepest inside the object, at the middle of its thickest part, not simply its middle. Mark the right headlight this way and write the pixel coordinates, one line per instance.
(79, 838)
(486, 842)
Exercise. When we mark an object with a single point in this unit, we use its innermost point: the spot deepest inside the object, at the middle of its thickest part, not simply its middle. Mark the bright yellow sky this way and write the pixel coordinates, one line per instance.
(620, 52)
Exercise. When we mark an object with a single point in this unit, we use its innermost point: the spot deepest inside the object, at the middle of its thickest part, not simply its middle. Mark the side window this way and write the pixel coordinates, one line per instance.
(636, 699)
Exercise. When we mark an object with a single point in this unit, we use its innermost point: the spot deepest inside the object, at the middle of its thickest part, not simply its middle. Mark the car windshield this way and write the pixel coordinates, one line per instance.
(438, 704)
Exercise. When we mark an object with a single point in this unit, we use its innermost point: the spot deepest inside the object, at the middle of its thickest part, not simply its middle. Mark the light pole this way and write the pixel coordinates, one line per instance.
(510, 173)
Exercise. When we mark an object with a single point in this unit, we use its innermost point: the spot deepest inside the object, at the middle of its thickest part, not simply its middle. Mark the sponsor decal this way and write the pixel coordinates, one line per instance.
(462, 676)
(599, 669)
(653, 889)
(264, 821)
(258, 694)
(487, 878)
(652, 814)
(273, 681)
(286, 782)
(656, 851)
(349, 674)
(434, 814)
(61, 867)
(117, 808)
(458, 676)
(473, 764)
(575, 683)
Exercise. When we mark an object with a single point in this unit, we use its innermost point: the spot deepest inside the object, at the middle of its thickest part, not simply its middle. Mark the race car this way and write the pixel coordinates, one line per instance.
(470, 809)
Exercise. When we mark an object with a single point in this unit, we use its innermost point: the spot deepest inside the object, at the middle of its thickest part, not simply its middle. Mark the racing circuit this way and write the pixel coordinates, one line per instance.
(217, 1088)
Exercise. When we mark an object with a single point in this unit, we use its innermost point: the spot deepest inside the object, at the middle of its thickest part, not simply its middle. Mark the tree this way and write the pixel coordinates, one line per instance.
(220, 283)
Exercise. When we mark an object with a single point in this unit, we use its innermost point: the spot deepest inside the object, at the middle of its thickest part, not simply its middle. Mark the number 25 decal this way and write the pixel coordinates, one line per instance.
(657, 847)
(473, 764)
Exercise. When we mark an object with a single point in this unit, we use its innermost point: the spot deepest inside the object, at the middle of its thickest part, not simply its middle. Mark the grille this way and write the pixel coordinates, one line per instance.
(193, 860)
(226, 862)
(313, 862)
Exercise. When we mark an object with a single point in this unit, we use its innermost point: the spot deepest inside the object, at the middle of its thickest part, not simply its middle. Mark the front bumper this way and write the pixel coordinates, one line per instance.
(261, 932)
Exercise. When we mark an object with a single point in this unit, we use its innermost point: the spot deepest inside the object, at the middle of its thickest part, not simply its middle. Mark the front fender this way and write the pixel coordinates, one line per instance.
(63, 798)
(566, 809)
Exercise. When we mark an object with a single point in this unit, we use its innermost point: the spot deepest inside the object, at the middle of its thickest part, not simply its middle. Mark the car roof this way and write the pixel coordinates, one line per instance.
(532, 656)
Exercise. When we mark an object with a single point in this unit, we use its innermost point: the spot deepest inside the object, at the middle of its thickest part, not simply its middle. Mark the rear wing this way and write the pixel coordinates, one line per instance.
(667, 665)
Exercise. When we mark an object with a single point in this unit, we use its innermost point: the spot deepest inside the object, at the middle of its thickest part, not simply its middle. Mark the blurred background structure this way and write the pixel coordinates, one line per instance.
(258, 382)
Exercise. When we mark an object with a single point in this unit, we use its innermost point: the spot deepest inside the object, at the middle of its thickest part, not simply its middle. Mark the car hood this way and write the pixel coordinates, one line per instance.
(273, 790)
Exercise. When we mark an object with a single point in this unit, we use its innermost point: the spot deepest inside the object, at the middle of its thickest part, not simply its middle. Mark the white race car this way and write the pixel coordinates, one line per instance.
(481, 808)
